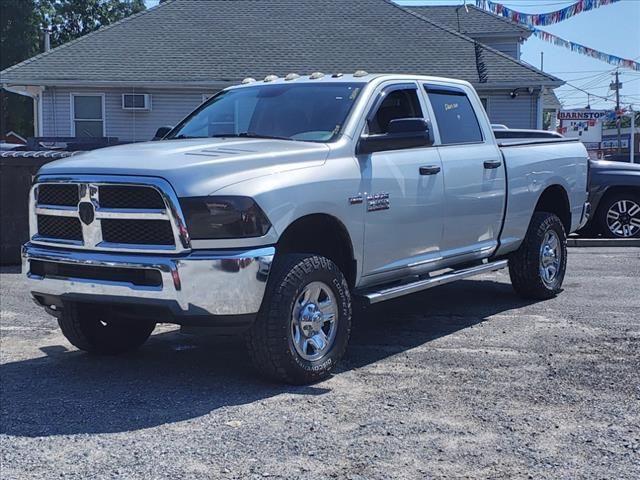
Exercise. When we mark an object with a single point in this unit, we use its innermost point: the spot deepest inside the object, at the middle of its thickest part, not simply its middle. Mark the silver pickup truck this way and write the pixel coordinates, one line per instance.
(278, 203)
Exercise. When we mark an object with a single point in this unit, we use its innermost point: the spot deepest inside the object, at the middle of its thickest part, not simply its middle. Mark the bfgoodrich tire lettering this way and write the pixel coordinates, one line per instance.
(538, 267)
(271, 341)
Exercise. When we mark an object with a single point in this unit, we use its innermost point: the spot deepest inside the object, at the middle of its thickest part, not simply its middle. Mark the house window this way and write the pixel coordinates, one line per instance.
(87, 112)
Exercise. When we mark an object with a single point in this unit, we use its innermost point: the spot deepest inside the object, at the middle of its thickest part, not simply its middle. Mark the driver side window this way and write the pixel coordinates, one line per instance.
(402, 103)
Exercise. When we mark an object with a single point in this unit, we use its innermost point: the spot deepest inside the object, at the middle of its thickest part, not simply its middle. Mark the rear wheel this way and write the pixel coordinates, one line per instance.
(619, 215)
(538, 267)
(304, 323)
(95, 329)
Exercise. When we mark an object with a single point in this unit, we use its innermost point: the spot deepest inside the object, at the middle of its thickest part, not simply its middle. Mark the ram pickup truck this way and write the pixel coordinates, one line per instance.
(278, 204)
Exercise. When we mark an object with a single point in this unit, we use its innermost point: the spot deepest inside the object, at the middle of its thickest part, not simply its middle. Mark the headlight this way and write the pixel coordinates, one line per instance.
(223, 217)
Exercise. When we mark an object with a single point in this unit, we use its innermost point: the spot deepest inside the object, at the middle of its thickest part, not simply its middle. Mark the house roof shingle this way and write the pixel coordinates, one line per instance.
(472, 21)
(190, 42)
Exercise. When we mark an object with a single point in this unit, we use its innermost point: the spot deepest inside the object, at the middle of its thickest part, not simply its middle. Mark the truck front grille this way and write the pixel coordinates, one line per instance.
(122, 196)
(66, 228)
(107, 216)
(137, 232)
(62, 194)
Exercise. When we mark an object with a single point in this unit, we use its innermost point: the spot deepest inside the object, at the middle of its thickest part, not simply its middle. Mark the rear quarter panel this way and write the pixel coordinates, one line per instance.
(531, 169)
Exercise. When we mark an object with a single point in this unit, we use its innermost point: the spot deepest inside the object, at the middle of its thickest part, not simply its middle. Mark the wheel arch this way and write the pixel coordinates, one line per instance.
(321, 234)
(555, 199)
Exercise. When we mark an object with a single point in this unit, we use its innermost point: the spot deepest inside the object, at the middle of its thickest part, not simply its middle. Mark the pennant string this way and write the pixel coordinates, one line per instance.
(543, 19)
(583, 50)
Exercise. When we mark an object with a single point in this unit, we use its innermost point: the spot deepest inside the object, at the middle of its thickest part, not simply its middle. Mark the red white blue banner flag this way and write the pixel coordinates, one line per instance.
(541, 19)
(589, 52)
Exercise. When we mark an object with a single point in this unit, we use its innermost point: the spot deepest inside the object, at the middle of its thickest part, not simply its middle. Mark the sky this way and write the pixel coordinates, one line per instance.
(613, 29)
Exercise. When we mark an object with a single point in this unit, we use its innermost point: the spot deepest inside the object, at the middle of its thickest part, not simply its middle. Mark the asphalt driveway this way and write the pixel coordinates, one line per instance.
(463, 381)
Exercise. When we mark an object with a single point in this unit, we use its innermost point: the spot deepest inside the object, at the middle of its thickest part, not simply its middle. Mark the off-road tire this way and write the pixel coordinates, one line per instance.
(524, 263)
(269, 341)
(95, 330)
(603, 210)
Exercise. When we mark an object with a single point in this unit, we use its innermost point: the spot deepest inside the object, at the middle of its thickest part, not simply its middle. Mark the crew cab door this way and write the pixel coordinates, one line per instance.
(474, 174)
(402, 190)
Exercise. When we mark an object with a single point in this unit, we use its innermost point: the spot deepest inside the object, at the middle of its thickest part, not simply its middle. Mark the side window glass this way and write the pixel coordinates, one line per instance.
(397, 104)
(457, 121)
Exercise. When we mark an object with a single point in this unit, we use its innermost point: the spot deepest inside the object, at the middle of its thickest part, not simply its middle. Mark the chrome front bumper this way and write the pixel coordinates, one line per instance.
(218, 283)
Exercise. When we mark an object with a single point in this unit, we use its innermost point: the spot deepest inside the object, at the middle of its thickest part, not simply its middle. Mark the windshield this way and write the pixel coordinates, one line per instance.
(304, 111)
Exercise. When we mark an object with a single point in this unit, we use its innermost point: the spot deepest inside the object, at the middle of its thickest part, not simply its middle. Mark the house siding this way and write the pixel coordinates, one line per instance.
(168, 107)
(509, 48)
(519, 112)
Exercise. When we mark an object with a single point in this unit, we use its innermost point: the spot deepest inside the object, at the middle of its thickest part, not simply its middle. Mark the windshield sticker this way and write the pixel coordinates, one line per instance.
(450, 106)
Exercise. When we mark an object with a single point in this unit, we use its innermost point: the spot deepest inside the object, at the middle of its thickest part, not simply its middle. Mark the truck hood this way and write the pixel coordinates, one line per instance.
(195, 167)
(617, 167)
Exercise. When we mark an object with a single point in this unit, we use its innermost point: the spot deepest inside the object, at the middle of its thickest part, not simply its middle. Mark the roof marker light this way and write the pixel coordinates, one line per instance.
(248, 80)
(337, 75)
(361, 73)
(316, 75)
(270, 78)
(292, 76)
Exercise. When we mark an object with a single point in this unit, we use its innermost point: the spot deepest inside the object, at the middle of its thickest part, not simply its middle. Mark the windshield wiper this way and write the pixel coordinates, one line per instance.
(248, 135)
(181, 137)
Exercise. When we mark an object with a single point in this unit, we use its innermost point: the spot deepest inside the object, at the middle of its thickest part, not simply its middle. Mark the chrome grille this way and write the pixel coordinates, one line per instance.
(58, 194)
(107, 214)
(137, 232)
(122, 196)
(67, 228)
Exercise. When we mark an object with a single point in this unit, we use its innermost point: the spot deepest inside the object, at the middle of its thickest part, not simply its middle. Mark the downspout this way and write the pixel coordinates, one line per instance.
(36, 94)
(540, 109)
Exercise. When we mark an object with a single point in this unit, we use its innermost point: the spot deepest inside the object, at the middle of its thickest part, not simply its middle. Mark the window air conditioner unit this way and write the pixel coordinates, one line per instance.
(136, 101)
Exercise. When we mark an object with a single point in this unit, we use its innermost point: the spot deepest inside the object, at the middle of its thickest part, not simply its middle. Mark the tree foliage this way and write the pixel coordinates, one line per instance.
(21, 37)
(70, 19)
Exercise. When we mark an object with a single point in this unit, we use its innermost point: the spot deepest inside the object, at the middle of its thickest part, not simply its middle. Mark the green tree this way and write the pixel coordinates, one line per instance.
(70, 19)
(21, 25)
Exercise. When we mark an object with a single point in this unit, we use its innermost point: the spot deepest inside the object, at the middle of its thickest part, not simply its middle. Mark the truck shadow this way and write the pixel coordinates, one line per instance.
(175, 377)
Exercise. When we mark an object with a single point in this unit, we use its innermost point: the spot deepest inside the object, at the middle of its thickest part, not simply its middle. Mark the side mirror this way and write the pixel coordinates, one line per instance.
(402, 133)
(162, 132)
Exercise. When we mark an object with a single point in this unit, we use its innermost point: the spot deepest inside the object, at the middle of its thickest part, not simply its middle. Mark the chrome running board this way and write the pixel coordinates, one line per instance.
(375, 296)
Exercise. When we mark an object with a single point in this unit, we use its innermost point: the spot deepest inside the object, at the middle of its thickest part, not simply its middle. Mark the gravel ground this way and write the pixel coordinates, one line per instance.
(463, 381)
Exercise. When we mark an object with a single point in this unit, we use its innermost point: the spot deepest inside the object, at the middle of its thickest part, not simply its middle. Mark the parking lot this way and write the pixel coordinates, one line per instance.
(462, 381)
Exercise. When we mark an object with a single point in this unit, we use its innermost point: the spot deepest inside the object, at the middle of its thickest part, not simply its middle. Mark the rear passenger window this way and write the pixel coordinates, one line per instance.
(457, 121)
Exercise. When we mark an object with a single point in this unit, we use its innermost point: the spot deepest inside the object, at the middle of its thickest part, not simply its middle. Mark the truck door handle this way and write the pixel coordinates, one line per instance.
(492, 164)
(429, 170)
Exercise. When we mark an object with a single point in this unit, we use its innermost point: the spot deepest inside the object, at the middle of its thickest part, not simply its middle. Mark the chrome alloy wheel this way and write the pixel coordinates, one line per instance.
(623, 218)
(550, 257)
(314, 321)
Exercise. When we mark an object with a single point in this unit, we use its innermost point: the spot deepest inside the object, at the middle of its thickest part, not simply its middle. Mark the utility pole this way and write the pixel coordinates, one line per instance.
(617, 86)
(542, 61)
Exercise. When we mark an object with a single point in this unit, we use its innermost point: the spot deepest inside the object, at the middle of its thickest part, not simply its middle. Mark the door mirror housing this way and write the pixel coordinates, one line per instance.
(402, 133)
(162, 132)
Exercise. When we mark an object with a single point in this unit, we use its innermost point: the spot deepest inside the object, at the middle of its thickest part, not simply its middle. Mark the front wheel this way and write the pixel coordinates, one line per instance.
(95, 329)
(538, 267)
(304, 323)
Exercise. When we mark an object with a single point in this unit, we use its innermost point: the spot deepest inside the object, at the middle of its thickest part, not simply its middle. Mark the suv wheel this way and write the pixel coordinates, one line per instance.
(619, 215)
(304, 323)
(94, 329)
(538, 267)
